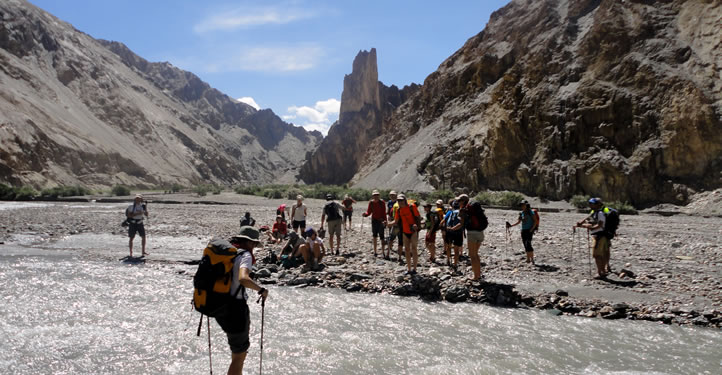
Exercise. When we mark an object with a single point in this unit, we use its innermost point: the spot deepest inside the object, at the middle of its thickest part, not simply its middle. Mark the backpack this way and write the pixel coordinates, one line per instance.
(477, 220)
(212, 281)
(452, 220)
(611, 222)
(331, 210)
(538, 218)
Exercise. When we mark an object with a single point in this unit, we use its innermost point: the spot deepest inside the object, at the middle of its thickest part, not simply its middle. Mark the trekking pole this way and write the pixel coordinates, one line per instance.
(263, 315)
(210, 360)
(589, 254)
(571, 252)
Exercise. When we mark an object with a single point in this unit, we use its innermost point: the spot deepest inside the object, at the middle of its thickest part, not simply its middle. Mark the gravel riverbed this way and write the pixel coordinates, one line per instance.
(667, 269)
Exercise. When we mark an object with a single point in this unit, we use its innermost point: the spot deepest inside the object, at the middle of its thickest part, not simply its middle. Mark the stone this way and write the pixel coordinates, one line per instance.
(456, 293)
(263, 273)
(561, 293)
(354, 287)
(358, 277)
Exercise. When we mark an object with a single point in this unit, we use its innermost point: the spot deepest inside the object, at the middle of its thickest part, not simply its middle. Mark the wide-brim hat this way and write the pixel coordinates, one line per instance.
(401, 197)
(440, 202)
(299, 197)
(375, 192)
(523, 201)
(248, 233)
(139, 196)
(462, 197)
(392, 192)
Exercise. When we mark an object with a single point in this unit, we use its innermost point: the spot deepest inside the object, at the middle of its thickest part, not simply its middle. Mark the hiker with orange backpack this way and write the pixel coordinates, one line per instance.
(409, 220)
(529, 223)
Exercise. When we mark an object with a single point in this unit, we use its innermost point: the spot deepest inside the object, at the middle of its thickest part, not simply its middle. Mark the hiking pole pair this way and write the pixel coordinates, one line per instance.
(589, 254)
(263, 315)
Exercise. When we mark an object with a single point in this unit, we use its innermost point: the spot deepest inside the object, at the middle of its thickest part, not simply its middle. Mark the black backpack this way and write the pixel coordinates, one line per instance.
(611, 222)
(331, 210)
(477, 220)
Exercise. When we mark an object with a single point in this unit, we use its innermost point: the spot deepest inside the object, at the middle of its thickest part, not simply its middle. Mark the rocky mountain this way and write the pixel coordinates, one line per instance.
(365, 104)
(74, 109)
(620, 99)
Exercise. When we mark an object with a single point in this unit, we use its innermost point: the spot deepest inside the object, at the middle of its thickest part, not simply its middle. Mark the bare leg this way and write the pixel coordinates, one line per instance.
(338, 243)
(130, 245)
(457, 252)
(143, 245)
(375, 245)
(237, 360)
(475, 260)
(414, 252)
(407, 250)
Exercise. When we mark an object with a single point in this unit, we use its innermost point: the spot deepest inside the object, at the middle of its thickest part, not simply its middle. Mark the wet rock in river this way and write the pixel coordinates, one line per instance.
(457, 293)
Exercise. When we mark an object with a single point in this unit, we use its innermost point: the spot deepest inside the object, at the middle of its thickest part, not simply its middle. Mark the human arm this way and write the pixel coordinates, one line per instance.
(244, 277)
(368, 210)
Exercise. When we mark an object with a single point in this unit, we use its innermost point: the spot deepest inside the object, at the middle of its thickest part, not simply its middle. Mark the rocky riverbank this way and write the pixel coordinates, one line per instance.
(667, 269)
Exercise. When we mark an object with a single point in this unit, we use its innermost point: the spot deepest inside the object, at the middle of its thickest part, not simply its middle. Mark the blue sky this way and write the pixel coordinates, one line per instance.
(290, 56)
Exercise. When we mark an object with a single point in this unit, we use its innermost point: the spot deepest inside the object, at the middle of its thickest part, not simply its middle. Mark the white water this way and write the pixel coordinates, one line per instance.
(73, 308)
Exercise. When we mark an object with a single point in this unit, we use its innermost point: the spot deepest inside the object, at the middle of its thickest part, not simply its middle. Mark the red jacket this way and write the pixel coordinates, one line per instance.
(377, 210)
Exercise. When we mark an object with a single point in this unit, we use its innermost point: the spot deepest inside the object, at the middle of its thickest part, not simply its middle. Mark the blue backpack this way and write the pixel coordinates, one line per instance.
(452, 219)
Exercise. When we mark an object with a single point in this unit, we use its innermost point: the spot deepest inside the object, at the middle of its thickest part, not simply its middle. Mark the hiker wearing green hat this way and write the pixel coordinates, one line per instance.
(235, 320)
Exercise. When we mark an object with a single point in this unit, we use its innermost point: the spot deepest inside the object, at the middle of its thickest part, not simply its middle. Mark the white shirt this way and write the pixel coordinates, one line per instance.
(135, 211)
(300, 214)
(244, 260)
(310, 242)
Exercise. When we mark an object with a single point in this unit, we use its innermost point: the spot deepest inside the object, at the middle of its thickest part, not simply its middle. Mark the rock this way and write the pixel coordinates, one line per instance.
(561, 293)
(263, 273)
(434, 271)
(623, 307)
(302, 280)
(457, 293)
(358, 277)
(354, 287)
(555, 312)
(445, 277)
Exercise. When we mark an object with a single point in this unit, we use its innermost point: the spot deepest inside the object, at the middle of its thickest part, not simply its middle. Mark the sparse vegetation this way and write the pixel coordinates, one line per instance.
(120, 190)
(204, 189)
(176, 188)
(64, 191)
(22, 193)
(508, 199)
(580, 201)
(624, 208)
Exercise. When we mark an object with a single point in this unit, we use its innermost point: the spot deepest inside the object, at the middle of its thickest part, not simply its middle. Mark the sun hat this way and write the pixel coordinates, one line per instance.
(248, 233)
(375, 192)
(440, 202)
(299, 197)
(523, 201)
(462, 197)
(401, 197)
(392, 192)
(139, 196)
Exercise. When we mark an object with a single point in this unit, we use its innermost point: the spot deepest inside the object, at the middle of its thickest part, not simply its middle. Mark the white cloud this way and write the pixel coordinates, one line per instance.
(323, 114)
(259, 59)
(248, 100)
(247, 17)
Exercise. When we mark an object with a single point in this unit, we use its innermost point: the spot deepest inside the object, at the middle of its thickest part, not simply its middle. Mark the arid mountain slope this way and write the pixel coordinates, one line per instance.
(74, 109)
(621, 99)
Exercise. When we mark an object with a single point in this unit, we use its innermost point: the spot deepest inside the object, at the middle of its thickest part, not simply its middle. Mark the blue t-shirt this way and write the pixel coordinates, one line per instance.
(527, 219)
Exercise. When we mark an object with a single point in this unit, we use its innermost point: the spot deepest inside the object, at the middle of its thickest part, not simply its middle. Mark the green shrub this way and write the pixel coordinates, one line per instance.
(7, 192)
(508, 199)
(580, 201)
(623, 208)
(118, 190)
(25, 193)
(176, 188)
(64, 191)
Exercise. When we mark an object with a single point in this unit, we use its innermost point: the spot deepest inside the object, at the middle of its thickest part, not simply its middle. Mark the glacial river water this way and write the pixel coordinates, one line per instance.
(72, 307)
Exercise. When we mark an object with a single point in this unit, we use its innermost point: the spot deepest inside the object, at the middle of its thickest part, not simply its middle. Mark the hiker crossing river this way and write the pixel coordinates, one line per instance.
(136, 318)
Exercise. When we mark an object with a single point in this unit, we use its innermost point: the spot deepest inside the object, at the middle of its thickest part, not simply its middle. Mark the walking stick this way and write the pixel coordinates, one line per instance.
(571, 252)
(210, 360)
(263, 315)
(589, 254)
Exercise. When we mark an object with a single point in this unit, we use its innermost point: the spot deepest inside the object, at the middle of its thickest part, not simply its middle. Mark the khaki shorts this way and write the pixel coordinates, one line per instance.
(601, 246)
(474, 236)
(334, 227)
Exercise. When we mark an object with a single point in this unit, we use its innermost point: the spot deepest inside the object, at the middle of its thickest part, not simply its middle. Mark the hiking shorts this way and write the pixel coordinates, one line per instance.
(455, 238)
(601, 246)
(411, 238)
(299, 223)
(396, 234)
(334, 226)
(347, 214)
(136, 228)
(377, 229)
(236, 323)
(430, 236)
(475, 236)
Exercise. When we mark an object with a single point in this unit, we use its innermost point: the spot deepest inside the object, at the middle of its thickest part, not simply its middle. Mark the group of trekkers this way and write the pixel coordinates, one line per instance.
(395, 221)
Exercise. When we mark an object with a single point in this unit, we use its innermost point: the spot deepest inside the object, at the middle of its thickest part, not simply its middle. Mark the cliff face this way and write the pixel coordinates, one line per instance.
(617, 99)
(365, 103)
(78, 110)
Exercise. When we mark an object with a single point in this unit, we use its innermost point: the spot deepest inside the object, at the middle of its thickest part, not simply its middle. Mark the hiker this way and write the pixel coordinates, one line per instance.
(409, 220)
(332, 215)
(247, 220)
(474, 220)
(441, 210)
(529, 223)
(347, 203)
(281, 210)
(377, 211)
(595, 222)
(279, 230)
(236, 322)
(134, 215)
(291, 256)
(394, 231)
(312, 251)
(298, 214)
(432, 226)
(454, 233)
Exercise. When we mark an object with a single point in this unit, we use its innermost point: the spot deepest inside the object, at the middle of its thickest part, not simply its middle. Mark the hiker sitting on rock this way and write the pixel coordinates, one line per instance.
(312, 251)
(332, 214)
(347, 203)
(247, 220)
(529, 223)
(291, 256)
(279, 230)
(595, 223)
(134, 214)
(377, 211)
